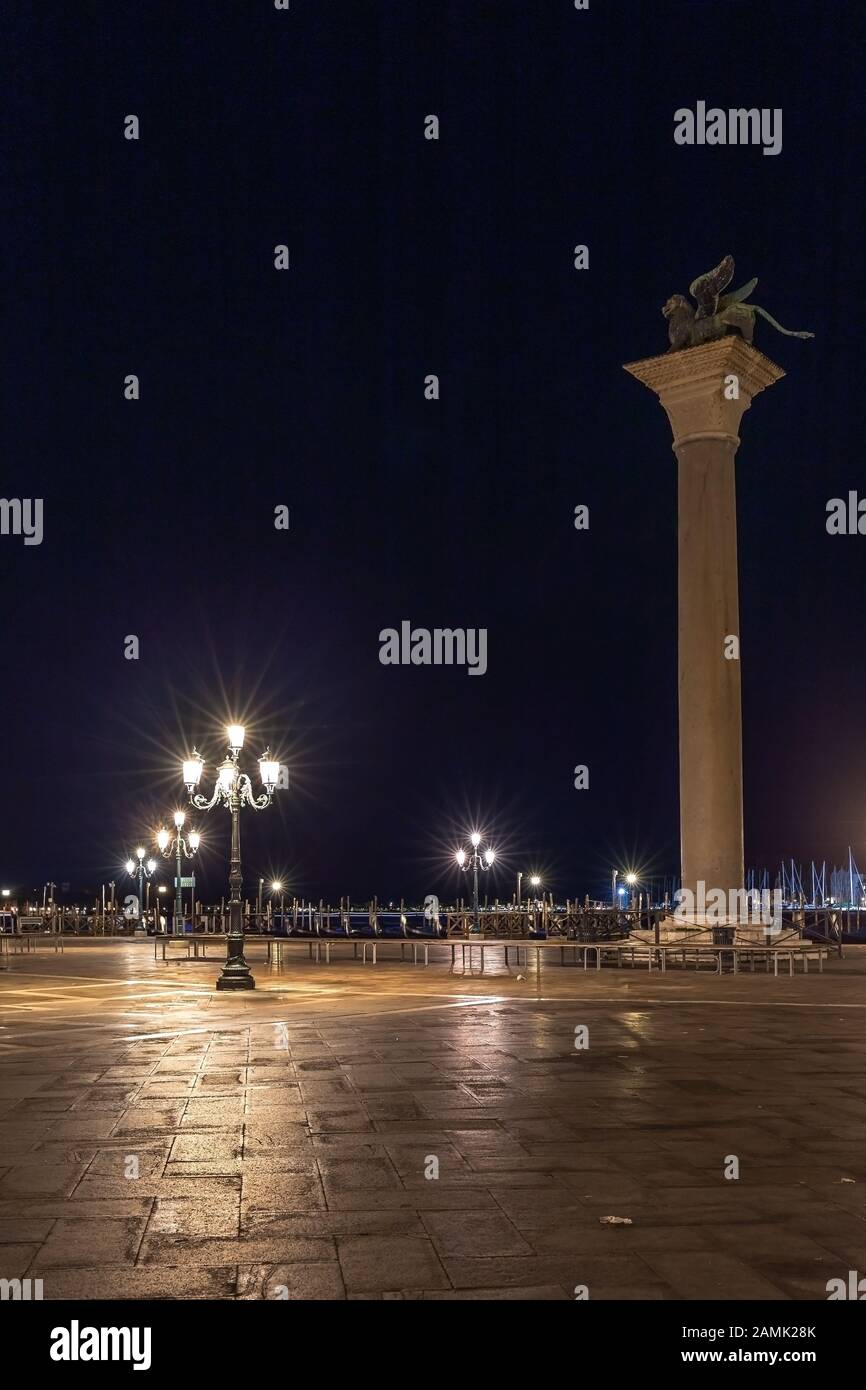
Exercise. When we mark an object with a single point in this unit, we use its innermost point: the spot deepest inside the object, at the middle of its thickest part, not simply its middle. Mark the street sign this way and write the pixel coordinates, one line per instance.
(186, 882)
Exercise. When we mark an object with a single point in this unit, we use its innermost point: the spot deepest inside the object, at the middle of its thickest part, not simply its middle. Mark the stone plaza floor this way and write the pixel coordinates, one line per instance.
(286, 1141)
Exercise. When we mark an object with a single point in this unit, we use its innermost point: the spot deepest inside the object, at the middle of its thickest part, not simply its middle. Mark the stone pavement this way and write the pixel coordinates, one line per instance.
(284, 1141)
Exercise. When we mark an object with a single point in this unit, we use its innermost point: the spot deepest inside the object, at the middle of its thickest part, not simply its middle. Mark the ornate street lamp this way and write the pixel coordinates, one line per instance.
(234, 789)
(181, 847)
(475, 860)
(143, 871)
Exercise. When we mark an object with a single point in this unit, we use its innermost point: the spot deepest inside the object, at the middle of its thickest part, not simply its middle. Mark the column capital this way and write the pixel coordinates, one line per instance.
(691, 386)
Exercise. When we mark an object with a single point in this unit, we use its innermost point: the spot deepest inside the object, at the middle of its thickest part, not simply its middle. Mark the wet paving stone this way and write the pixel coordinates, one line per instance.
(300, 1143)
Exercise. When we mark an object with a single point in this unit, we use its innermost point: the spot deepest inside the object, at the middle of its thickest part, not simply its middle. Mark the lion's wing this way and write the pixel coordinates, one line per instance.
(707, 288)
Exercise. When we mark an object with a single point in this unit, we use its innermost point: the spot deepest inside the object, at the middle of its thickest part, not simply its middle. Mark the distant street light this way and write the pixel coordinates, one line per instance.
(277, 887)
(475, 860)
(534, 881)
(180, 846)
(234, 789)
(143, 871)
(631, 880)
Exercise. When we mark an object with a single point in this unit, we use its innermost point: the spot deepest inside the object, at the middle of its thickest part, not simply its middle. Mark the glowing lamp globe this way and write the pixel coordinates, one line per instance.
(270, 771)
(192, 770)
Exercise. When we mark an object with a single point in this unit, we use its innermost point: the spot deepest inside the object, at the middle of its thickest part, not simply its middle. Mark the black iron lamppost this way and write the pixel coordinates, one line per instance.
(143, 871)
(475, 860)
(182, 848)
(234, 789)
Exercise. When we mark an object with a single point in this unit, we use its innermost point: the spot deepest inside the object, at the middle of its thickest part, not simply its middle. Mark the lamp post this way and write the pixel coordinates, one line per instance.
(535, 883)
(143, 871)
(475, 860)
(631, 880)
(277, 887)
(234, 789)
(182, 848)
(622, 892)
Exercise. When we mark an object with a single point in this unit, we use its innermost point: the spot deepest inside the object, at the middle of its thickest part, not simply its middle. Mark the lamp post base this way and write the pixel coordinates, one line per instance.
(236, 977)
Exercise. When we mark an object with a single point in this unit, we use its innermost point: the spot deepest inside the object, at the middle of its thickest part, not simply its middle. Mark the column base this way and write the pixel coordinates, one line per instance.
(699, 930)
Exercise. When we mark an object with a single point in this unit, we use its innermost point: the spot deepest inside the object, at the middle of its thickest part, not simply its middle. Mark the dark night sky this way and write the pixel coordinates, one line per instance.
(411, 257)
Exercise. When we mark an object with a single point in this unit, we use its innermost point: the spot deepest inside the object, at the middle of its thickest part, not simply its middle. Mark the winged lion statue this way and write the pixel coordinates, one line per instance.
(717, 314)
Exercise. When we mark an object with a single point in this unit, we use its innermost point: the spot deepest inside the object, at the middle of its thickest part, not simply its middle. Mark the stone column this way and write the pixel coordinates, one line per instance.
(705, 391)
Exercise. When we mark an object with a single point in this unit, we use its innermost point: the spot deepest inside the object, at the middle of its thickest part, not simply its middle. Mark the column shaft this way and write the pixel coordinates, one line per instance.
(710, 725)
